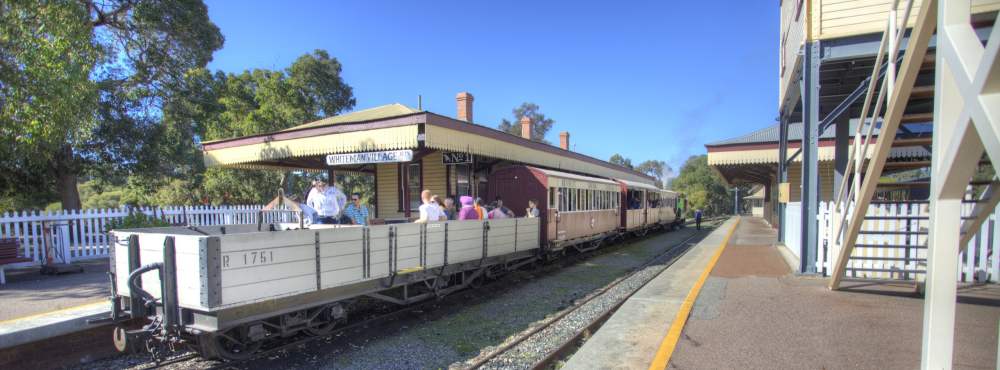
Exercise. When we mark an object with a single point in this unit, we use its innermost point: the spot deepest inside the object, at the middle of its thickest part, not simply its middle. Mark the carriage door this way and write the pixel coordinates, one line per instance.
(558, 229)
(645, 207)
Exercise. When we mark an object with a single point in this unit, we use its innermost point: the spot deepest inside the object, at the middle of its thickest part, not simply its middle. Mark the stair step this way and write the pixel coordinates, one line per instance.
(901, 271)
(908, 184)
(899, 202)
(907, 165)
(894, 232)
(922, 92)
(890, 246)
(917, 118)
(903, 259)
(897, 217)
(914, 141)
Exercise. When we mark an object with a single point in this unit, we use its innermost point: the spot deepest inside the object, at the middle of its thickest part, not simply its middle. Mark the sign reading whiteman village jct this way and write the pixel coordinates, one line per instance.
(389, 156)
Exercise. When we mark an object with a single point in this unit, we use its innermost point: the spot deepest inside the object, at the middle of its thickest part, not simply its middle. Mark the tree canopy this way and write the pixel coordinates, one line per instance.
(703, 187)
(540, 124)
(82, 85)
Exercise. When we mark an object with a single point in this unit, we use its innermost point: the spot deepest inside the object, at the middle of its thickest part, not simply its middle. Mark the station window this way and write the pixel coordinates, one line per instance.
(463, 179)
(552, 198)
(414, 184)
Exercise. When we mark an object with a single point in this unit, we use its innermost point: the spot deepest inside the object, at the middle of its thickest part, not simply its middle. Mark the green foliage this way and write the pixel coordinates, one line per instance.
(621, 161)
(82, 85)
(703, 187)
(658, 169)
(134, 221)
(237, 186)
(540, 125)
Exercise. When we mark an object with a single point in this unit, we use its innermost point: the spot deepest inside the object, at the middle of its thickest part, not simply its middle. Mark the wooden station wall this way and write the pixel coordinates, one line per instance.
(388, 186)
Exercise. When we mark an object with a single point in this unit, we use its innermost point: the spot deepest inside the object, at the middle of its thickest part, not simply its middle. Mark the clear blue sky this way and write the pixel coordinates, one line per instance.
(649, 80)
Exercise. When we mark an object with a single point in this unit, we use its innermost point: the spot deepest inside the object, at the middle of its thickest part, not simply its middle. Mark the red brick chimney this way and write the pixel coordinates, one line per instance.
(564, 140)
(464, 100)
(526, 127)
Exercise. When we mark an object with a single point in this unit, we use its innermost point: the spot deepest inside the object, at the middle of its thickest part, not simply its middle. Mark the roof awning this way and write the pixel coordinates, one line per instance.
(638, 185)
(305, 145)
(447, 134)
(825, 154)
(255, 155)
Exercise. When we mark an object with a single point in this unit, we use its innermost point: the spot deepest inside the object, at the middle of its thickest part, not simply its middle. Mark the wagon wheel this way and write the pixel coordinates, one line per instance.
(232, 346)
(329, 319)
(596, 243)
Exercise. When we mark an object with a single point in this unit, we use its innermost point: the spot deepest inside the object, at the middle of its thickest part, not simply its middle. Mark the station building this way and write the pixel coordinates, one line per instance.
(407, 150)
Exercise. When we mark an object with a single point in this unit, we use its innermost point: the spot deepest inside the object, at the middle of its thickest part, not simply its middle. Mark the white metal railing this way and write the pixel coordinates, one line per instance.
(897, 256)
(86, 231)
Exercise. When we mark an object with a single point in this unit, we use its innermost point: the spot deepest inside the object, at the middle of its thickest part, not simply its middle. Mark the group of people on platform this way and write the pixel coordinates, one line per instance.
(434, 209)
(326, 204)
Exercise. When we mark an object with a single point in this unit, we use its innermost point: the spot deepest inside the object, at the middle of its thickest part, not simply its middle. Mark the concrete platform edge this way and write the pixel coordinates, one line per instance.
(49, 325)
(633, 335)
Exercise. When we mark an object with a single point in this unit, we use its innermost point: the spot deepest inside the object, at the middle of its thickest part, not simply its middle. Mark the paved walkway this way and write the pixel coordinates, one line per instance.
(753, 314)
(35, 307)
(30, 293)
(631, 337)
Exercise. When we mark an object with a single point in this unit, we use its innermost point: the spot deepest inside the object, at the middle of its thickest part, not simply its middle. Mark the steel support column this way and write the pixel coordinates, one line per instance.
(782, 170)
(810, 160)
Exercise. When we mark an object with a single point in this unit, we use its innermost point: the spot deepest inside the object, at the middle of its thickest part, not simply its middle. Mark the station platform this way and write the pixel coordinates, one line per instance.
(35, 308)
(751, 311)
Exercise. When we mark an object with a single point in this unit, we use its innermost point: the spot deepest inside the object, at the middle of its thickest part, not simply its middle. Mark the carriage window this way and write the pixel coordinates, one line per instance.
(552, 198)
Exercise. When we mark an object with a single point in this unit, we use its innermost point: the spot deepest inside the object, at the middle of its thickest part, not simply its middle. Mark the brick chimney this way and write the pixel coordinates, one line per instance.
(564, 140)
(464, 100)
(526, 127)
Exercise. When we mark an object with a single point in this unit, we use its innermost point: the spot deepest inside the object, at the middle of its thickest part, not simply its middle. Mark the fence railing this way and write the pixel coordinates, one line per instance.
(896, 247)
(85, 232)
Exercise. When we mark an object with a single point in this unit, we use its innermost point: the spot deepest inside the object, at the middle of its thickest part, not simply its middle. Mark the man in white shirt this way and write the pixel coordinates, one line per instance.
(327, 202)
(430, 211)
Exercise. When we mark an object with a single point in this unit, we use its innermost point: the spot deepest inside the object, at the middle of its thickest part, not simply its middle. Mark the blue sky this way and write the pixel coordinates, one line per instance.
(647, 79)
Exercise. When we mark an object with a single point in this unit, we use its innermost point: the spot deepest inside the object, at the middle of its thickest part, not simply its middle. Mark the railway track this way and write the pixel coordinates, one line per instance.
(467, 296)
(553, 354)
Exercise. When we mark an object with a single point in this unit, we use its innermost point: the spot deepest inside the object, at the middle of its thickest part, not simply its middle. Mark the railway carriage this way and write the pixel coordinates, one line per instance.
(576, 210)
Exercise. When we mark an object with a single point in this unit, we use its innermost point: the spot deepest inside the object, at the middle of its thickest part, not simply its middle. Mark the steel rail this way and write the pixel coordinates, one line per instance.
(557, 353)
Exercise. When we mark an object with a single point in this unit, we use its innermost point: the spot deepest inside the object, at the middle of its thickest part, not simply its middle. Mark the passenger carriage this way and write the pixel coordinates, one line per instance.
(576, 210)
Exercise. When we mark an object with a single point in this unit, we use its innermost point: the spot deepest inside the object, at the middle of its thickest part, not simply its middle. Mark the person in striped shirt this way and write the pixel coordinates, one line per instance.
(357, 212)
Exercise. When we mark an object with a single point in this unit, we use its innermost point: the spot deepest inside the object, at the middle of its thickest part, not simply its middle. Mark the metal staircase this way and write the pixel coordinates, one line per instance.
(895, 78)
(870, 149)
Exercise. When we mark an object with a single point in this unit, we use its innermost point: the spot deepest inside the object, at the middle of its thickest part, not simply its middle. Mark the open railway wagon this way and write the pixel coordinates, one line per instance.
(226, 291)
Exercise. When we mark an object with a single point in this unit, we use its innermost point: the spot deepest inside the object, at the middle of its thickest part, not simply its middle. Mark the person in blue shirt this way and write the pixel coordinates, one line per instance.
(697, 218)
(356, 212)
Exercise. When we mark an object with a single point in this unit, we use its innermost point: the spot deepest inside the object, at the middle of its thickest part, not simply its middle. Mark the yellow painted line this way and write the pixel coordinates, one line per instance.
(37, 315)
(674, 334)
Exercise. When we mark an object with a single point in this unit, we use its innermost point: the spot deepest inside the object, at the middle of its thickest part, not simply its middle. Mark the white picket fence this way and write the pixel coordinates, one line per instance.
(86, 230)
(899, 248)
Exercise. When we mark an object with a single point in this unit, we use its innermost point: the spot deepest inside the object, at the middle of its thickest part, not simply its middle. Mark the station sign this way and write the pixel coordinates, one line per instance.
(388, 156)
(456, 157)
